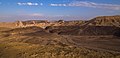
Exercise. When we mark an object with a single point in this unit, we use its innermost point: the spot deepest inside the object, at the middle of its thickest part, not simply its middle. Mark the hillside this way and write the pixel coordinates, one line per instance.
(103, 25)
(105, 21)
(39, 43)
(96, 38)
(86, 31)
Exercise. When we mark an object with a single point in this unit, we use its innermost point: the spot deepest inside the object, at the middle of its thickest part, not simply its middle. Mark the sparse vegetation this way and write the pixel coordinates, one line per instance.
(68, 40)
(25, 50)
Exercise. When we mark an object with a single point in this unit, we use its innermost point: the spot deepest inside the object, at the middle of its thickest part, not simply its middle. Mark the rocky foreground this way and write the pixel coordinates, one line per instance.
(96, 38)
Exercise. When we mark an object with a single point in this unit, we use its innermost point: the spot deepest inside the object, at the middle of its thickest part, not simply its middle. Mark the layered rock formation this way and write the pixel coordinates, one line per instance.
(105, 21)
(30, 38)
(103, 25)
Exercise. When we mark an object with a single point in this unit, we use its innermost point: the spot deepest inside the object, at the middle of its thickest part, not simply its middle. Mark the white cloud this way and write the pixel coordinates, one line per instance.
(29, 4)
(53, 4)
(90, 4)
(41, 4)
(58, 4)
(35, 14)
(95, 5)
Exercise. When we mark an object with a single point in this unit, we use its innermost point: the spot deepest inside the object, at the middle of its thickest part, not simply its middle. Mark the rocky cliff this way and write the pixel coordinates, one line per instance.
(102, 25)
(105, 21)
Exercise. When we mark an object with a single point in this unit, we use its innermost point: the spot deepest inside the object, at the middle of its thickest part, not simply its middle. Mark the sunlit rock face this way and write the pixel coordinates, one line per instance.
(105, 21)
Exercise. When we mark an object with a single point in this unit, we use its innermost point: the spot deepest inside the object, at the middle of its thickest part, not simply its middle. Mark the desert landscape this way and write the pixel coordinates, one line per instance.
(59, 28)
(95, 38)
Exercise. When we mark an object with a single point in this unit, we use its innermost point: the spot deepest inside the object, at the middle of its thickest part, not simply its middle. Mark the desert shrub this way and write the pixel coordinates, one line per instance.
(25, 50)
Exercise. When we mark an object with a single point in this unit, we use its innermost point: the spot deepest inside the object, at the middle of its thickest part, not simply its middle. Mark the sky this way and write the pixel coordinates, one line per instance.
(13, 10)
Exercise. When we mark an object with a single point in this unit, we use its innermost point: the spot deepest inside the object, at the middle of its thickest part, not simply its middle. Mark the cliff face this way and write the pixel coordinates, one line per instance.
(98, 21)
(105, 21)
(103, 25)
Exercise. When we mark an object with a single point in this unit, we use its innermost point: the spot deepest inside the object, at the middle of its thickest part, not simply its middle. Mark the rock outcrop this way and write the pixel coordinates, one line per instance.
(103, 25)
(105, 21)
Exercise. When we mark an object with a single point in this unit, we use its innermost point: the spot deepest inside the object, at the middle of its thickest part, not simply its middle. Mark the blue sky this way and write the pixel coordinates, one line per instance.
(12, 10)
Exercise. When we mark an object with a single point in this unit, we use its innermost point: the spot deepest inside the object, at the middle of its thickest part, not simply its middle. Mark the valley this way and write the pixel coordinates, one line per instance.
(95, 38)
